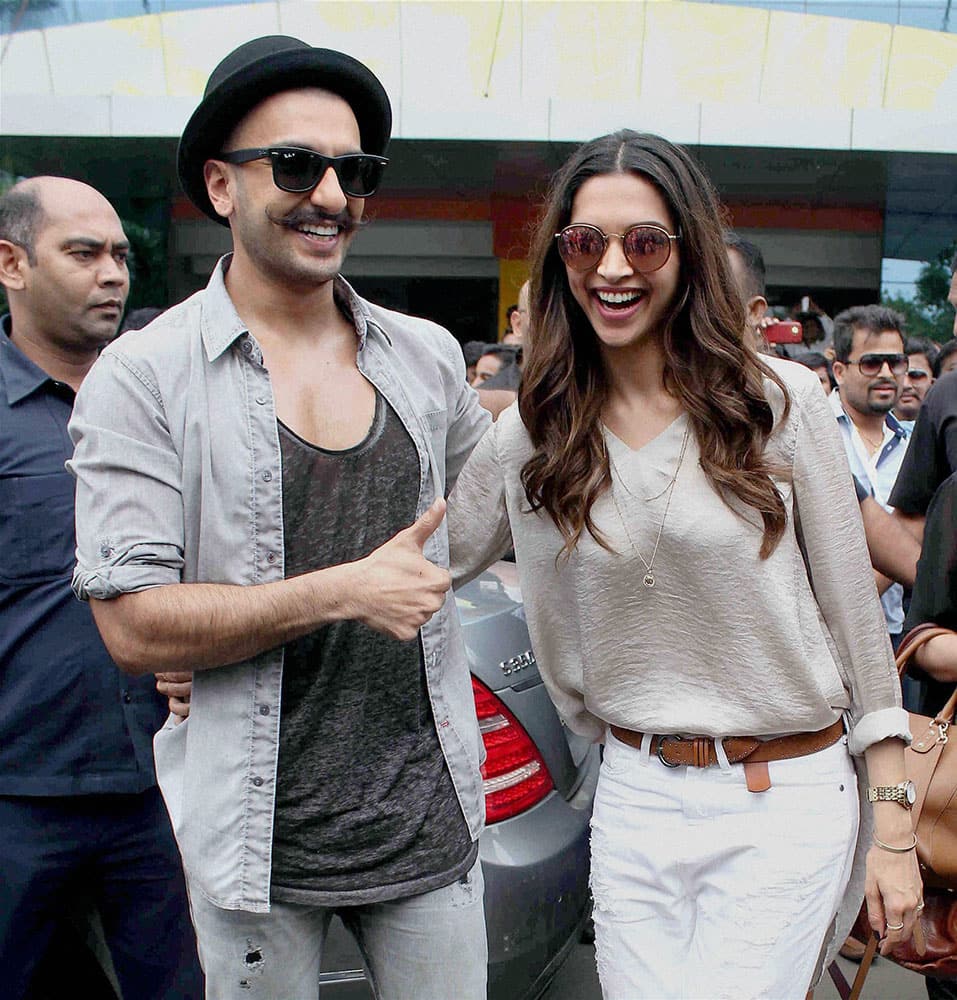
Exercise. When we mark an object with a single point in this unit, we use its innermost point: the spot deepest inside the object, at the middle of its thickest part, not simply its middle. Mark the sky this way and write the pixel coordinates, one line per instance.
(898, 276)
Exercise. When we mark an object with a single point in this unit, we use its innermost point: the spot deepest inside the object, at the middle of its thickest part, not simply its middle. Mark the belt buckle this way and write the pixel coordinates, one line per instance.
(660, 747)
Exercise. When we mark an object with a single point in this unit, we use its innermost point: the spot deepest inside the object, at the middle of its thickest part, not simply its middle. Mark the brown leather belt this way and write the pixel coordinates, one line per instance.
(699, 751)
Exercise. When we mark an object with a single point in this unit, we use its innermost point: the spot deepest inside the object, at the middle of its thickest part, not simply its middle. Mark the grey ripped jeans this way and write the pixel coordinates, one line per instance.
(431, 945)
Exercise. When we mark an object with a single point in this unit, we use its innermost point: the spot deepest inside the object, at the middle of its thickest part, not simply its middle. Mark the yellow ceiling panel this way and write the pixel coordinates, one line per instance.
(583, 51)
(825, 61)
(698, 52)
(923, 71)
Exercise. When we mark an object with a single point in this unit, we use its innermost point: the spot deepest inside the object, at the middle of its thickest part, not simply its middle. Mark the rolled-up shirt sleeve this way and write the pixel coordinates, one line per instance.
(129, 511)
(832, 536)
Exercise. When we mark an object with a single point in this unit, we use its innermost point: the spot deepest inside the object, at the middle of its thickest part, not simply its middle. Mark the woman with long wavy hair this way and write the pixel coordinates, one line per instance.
(699, 596)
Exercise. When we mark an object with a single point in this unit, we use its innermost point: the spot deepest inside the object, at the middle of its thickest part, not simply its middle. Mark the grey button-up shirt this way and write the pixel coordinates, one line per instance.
(179, 480)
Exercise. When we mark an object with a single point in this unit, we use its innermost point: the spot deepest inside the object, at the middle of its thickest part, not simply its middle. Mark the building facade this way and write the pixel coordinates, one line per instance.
(830, 129)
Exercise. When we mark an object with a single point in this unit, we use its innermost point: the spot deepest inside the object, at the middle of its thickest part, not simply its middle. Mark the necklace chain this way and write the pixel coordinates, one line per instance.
(649, 578)
(868, 440)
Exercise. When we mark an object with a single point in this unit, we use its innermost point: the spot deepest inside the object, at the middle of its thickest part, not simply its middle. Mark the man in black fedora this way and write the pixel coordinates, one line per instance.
(260, 483)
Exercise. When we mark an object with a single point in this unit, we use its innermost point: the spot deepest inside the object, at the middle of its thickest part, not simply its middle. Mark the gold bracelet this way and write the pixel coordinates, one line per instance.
(897, 850)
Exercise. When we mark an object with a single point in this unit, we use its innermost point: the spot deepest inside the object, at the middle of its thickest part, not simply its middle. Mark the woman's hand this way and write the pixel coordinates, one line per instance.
(893, 887)
(176, 688)
(893, 891)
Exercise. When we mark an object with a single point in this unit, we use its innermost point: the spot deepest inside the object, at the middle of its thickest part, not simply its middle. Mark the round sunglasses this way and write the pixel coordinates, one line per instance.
(299, 170)
(646, 248)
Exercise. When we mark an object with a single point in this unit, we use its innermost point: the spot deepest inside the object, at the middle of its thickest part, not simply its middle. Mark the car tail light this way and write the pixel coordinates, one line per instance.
(514, 774)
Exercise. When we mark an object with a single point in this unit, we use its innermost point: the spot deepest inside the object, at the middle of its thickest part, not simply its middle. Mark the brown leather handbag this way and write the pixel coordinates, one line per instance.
(931, 763)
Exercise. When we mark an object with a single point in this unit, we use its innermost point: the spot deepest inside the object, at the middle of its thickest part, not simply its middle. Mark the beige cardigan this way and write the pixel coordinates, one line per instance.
(724, 644)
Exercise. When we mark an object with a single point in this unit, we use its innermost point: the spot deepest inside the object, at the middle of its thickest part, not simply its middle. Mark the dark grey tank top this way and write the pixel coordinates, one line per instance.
(365, 806)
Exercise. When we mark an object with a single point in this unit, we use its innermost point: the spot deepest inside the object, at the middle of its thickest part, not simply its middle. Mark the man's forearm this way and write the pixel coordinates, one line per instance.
(195, 626)
(913, 523)
(938, 657)
(883, 582)
(894, 550)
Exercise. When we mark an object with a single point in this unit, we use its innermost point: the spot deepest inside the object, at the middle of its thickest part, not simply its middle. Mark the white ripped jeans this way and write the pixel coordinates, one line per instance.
(704, 889)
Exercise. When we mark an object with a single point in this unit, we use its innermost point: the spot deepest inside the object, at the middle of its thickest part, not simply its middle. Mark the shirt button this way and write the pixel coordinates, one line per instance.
(262, 400)
(257, 781)
(267, 476)
(126, 697)
(270, 557)
(247, 347)
(106, 551)
(264, 710)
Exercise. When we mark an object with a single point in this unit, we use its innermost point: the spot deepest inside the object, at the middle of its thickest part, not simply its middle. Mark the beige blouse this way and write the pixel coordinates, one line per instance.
(724, 643)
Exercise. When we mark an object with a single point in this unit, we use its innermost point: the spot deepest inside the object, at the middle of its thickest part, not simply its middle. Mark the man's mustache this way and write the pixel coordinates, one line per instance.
(301, 217)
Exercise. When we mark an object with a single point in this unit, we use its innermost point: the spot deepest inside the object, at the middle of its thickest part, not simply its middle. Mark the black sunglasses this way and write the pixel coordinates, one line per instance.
(871, 364)
(300, 170)
(646, 248)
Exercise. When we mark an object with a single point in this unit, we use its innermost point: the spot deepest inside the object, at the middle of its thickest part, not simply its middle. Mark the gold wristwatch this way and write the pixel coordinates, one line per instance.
(904, 794)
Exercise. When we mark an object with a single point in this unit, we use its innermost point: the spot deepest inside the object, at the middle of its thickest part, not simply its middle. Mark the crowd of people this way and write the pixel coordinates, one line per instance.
(895, 401)
(276, 484)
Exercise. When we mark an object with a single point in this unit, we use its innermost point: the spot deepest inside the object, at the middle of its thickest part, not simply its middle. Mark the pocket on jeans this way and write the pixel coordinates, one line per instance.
(833, 765)
(617, 754)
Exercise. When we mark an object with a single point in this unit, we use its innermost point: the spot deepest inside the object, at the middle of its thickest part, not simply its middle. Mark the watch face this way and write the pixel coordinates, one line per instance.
(910, 791)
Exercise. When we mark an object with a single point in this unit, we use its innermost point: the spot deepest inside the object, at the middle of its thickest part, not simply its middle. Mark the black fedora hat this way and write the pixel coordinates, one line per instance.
(259, 69)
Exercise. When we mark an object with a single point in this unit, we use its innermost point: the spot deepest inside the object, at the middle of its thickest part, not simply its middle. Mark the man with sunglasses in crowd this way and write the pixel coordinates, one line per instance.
(260, 482)
(868, 365)
(915, 382)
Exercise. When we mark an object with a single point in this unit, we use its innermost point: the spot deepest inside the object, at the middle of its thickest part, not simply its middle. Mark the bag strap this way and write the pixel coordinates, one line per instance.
(852, 991)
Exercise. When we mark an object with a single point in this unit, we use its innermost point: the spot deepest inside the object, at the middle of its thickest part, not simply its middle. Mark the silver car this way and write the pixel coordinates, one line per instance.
(539, 785)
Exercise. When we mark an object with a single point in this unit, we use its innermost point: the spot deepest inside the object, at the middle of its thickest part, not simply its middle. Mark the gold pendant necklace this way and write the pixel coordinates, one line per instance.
(649, 578)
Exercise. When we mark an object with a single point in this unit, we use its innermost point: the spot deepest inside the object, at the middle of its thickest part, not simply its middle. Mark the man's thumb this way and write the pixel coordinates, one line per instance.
(421, 530)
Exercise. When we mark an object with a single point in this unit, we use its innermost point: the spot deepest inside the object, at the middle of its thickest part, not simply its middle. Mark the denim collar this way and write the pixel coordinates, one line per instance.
(222, 326)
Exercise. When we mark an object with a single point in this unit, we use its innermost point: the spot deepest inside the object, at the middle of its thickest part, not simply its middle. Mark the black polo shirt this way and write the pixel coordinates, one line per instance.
(932, 452)
(935, 589)
(70, 722)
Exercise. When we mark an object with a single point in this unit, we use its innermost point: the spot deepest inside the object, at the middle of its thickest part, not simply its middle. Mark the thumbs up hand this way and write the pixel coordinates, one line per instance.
(423, 529)
(400, 589)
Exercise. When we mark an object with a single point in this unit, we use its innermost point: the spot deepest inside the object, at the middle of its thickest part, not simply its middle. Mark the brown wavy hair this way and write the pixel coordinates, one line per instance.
(709, 368)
